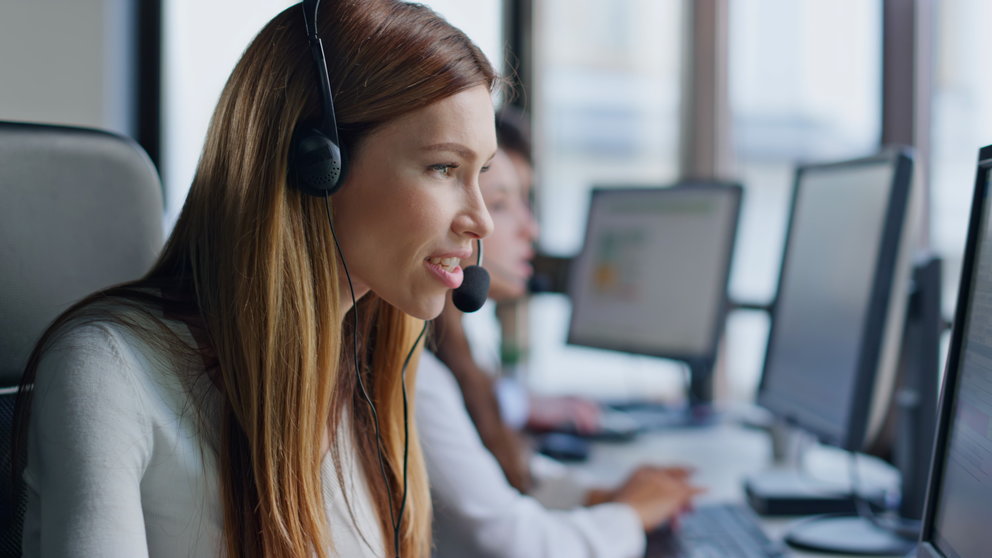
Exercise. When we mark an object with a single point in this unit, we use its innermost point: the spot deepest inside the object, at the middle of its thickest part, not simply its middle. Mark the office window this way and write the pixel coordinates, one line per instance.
(962, 122)
(204, 40)
(605, 107)
(805, 85)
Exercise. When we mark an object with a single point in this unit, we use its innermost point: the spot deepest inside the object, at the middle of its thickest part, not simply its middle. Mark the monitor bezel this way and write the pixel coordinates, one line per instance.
(948, 393)
(732, 189)
(851, 435)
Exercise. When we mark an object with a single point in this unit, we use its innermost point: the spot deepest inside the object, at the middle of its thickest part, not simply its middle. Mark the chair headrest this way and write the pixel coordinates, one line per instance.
(80, 210)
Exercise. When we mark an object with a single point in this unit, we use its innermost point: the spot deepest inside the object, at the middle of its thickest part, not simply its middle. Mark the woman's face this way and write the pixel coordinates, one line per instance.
(508, 252)
(411, 207)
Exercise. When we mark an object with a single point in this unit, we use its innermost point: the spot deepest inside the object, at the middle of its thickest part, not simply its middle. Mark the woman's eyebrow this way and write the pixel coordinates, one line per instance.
(450, 146)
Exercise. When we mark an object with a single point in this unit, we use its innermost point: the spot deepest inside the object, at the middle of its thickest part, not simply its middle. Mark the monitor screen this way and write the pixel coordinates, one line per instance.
(963, 502)
(830, 318)
(652, 275)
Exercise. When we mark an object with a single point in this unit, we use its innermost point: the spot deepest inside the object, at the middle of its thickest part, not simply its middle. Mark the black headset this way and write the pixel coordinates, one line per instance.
(316, 160)
(317, 167)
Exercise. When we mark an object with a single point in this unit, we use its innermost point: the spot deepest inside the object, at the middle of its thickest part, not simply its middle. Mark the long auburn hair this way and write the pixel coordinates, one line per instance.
(250, 268)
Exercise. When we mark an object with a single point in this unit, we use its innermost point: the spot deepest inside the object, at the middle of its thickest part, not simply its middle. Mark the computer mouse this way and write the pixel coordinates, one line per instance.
(563, 447)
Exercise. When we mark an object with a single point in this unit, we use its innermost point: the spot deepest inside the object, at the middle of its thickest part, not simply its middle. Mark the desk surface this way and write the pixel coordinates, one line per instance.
(722, 456)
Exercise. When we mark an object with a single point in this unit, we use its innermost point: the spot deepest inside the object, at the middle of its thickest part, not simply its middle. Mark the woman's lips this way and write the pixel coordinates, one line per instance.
(446, 270)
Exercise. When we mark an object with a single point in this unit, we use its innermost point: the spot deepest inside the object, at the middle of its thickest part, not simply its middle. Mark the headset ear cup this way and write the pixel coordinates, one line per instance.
(317, 163)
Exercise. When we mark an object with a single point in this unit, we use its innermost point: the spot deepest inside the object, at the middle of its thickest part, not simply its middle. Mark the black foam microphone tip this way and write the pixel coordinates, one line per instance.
(472, 293)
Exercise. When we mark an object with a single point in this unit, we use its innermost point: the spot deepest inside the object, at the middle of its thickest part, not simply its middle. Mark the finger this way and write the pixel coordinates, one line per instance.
(585, 423)
(678, 475)
(678, 471)
(586, 418)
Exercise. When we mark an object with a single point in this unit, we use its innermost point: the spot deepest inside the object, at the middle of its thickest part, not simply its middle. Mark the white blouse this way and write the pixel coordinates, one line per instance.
(116, 465)
(476, 511)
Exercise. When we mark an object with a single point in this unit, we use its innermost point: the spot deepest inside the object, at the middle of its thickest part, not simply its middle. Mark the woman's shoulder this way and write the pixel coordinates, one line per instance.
(99, 341)
(109, 333)
(114, 351)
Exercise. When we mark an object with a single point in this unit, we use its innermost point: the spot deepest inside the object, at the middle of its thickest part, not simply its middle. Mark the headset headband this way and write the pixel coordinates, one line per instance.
(328, 121)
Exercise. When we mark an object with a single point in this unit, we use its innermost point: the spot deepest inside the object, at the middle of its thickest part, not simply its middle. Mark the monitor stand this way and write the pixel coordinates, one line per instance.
(788, 489)
(697, 412)
(847, 534)
(700, 411)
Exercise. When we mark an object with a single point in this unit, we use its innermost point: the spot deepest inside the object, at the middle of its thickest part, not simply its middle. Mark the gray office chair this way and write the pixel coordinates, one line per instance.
(80, 210)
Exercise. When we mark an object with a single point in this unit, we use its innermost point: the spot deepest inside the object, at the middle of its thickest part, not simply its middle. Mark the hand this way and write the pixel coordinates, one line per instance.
(657, 494)
(551, 412)
(602, 495)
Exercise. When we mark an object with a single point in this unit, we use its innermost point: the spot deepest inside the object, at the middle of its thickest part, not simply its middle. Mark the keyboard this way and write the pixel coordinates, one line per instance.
(715, 531)
(620, 425)
(614, 426)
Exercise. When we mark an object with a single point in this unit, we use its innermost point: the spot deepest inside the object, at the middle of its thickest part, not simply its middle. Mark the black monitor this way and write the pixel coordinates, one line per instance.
(838, 313)
(839, 318)
(959, 500)
(652, 275)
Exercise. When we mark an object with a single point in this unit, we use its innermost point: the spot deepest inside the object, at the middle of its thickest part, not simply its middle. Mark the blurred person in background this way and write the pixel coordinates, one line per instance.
(491, 497)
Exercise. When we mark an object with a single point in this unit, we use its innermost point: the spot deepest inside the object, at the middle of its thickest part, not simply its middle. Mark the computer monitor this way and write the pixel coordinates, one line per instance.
(838, 314)
(959, 501)
(652, 275)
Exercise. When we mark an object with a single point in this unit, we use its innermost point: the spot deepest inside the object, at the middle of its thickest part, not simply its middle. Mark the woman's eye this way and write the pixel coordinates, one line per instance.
(484, 169)
(444, 169)
(497, 205)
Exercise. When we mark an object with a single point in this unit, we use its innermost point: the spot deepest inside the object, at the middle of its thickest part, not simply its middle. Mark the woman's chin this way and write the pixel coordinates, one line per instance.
(423, 307)
(427, 308)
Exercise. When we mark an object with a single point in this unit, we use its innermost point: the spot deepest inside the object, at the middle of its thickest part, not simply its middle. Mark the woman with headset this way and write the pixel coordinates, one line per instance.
(490, 499)
(245, 397)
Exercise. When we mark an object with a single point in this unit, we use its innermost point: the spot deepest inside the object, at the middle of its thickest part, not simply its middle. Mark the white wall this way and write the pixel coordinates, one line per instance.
(66, 62)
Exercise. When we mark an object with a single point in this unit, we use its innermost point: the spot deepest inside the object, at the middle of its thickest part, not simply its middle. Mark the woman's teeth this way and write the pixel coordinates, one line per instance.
(448, 264)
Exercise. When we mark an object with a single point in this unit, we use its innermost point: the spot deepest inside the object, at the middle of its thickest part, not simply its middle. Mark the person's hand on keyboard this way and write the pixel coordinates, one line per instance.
(657, 494)
(556, 412)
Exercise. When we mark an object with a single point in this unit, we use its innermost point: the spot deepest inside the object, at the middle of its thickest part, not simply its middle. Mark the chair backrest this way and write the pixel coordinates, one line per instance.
(12, 502)
(80, 210)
